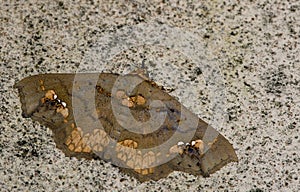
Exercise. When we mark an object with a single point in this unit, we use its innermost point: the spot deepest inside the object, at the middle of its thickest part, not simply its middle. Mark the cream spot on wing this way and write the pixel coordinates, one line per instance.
(68, 141)
(78, 149)
(71, 147)
(134, 158)
(97, 140)
(64, 104)
(63, 111)
(127, 102)
(50, 94)
(140, 100)
(87, 149)
(213, 142)
(176, 149)
(76, 141)
(199, 145)
(180, 143)
(42, 85)
(121, 94)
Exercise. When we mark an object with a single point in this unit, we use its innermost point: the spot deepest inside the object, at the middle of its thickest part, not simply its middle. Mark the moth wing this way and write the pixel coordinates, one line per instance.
(32, 89)
(219, 153)
(216, 152)
(69, 138)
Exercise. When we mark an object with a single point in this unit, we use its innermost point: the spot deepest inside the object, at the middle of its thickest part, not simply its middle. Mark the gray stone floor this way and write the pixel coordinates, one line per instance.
(247, 88)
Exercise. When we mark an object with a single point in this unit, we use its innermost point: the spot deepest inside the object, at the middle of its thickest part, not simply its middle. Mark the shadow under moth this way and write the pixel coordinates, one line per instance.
(127, 120)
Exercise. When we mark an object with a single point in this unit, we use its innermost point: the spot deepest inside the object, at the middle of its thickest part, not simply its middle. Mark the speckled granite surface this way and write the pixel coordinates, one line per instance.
(253, 46)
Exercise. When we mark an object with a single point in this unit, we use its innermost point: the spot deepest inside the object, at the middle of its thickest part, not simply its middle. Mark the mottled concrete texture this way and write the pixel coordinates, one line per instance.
(252, 46)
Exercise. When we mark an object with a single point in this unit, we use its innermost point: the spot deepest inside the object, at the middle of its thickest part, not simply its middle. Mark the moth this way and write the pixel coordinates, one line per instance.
(127, 120)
